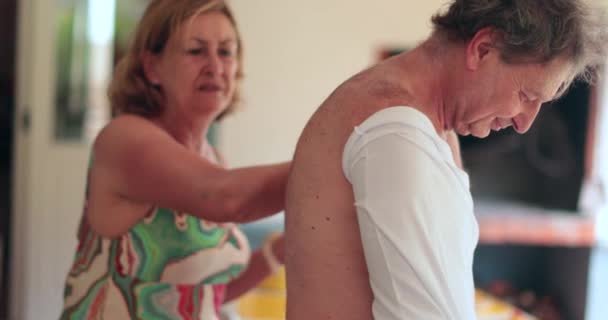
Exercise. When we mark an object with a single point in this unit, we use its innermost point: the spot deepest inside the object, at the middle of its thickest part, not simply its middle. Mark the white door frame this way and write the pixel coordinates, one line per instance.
(48, 181)
(33, 100)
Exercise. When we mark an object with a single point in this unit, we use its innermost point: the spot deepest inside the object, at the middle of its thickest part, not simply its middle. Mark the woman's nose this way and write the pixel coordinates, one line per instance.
(214, 65)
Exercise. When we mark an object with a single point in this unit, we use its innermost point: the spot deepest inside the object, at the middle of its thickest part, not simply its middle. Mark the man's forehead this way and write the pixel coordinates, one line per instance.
(551, 79)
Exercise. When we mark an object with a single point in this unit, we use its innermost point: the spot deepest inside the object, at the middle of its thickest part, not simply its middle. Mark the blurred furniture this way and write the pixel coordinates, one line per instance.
(541, 206)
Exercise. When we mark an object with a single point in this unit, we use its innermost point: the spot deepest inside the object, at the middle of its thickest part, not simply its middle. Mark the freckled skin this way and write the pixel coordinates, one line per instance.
(326, 272)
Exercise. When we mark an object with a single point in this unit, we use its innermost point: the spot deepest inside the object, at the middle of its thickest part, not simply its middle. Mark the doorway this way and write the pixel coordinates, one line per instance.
(7, 94)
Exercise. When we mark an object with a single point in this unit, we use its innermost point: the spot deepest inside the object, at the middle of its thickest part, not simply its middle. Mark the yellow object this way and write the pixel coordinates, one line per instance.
(267, 301)
(491, 308)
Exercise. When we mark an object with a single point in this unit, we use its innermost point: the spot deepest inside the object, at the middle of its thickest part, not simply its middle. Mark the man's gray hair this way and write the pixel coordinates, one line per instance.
(533, 31)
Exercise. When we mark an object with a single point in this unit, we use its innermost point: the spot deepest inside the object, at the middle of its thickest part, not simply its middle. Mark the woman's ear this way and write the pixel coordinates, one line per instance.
(478, 48)
(150, 66)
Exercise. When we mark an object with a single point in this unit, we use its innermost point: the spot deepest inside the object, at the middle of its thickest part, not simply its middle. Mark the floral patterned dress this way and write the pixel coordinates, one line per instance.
(170, 265)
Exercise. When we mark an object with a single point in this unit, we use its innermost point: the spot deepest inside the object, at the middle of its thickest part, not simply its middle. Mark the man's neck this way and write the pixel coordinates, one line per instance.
(422, 74)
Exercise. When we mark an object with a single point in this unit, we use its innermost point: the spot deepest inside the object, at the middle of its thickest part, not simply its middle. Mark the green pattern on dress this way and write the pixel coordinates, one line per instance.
(131, 270)
(160, 245)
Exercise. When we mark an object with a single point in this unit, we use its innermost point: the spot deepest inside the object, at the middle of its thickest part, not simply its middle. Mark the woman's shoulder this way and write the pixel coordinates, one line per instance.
(128, 127)
(127, 132)
(129, 122)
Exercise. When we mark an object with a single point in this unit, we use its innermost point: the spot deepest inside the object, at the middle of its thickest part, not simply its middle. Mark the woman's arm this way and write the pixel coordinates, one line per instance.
(136, 162)
(257, 270)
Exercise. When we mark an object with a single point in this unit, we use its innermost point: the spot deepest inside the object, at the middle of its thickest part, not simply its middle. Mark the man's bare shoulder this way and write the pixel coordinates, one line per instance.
(325, 263)
(349, 105)
(318, 156)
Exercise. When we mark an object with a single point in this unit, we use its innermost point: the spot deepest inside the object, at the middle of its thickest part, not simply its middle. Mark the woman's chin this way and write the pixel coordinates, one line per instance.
(211, 108)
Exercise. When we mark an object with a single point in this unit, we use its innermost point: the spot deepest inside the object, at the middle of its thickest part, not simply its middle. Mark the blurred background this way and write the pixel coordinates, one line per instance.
(541, 197)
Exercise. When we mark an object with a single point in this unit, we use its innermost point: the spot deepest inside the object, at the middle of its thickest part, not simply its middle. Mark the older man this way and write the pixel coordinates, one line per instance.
(380, 218)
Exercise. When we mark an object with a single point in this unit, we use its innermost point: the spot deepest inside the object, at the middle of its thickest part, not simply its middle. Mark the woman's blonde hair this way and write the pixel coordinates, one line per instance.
(130, 91)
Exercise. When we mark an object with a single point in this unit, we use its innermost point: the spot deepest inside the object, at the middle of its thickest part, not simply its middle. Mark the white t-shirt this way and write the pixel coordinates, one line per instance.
(415, 213)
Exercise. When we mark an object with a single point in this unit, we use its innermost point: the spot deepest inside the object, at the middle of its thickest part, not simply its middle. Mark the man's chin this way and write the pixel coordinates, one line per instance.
(481, 135)
(476, 130)
(463, 131)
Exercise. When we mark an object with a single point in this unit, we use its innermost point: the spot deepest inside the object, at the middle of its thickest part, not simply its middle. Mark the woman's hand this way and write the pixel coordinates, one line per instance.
(264, 262)
(278, 248)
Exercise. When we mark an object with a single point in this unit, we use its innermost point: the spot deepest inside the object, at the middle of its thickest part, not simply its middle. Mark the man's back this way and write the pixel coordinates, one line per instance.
(323, 238)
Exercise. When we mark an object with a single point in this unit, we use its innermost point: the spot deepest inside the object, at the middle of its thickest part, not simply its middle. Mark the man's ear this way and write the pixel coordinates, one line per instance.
(478, 48)
(150, 66)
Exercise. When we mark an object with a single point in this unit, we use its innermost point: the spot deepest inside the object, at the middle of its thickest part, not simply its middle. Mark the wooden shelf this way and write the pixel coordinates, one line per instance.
(501, 223)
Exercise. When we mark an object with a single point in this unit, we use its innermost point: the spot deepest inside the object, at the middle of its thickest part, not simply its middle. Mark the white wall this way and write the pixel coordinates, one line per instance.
(297, 52)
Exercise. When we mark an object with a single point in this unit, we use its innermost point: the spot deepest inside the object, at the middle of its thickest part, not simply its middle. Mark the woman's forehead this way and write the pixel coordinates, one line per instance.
(213, 25)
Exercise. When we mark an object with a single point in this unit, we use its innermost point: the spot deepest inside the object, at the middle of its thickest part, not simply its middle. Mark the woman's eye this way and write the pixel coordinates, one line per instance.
(226, 52)
(196, 51)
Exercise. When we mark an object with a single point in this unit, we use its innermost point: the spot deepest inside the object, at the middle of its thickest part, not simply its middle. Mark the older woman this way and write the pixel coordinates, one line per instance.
(380, 218)
(157, 239)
